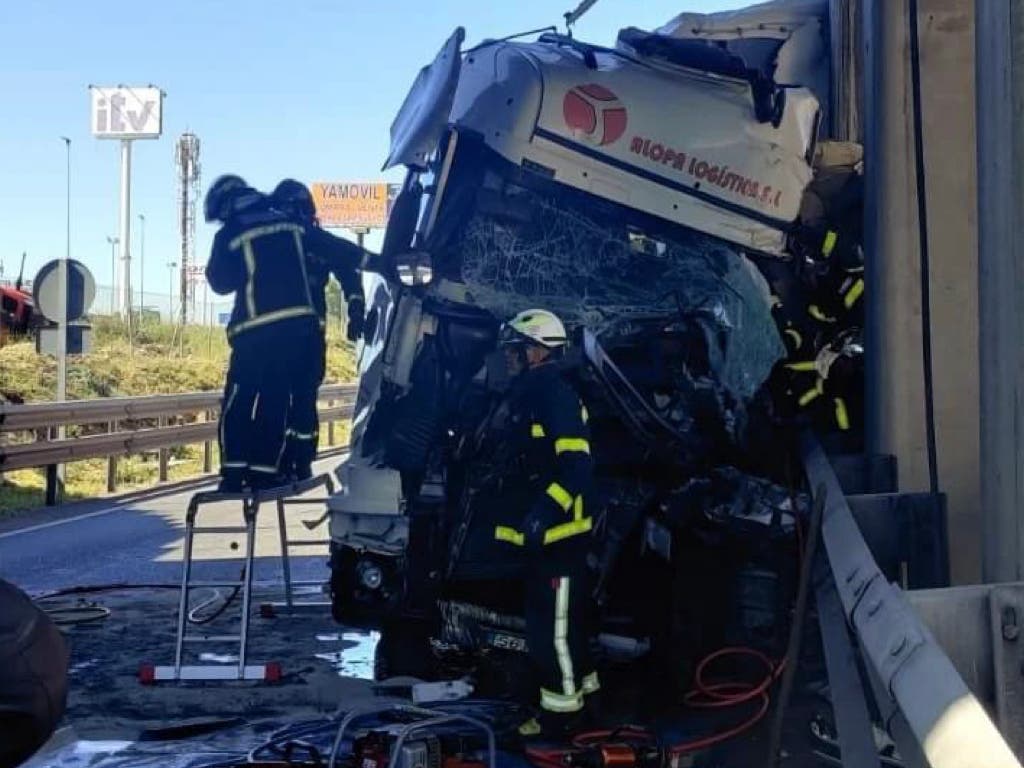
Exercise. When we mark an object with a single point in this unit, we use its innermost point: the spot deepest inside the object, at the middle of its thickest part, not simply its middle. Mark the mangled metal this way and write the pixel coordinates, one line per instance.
(620, 194)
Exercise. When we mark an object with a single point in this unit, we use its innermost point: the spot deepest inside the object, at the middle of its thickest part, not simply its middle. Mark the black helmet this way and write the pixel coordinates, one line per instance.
(295, 198)
(220, 196)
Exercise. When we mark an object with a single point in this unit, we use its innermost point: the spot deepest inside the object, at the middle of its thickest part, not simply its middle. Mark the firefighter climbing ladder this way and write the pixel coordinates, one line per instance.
(250, 503)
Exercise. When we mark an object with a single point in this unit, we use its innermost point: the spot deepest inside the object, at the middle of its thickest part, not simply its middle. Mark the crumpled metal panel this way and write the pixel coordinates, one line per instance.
(417, 128)
(728, 495)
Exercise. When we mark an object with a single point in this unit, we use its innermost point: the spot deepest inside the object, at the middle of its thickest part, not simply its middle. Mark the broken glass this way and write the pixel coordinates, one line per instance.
(603, 272)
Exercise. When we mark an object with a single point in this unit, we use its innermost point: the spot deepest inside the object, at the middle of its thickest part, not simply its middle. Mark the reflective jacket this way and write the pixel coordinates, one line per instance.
(549, 423)
(326, 255)
(259, 255)
(838, 298)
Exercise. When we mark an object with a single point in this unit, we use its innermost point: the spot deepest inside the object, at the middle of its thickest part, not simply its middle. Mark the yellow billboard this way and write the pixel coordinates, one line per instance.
(351, 204)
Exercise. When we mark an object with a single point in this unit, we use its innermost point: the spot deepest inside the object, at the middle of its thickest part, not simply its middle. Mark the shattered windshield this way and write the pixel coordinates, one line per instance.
(613, 274)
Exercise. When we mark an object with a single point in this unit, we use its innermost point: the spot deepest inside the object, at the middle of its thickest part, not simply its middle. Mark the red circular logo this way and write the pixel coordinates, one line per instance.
(594, 114)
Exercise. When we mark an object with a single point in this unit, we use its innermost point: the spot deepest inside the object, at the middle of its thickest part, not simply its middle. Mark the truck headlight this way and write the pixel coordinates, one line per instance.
(369, 574)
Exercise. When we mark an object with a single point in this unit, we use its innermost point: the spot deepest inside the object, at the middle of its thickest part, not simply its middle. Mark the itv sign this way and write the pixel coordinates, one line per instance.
(127, 113)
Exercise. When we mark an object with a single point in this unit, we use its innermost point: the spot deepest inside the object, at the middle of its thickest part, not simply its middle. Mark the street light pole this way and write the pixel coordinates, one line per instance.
(67, 145)
(62, 329)
(142, 262)
(113, 241)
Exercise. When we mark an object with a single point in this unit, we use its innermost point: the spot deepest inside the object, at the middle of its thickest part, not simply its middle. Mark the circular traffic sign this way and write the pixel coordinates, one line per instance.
(81, 290)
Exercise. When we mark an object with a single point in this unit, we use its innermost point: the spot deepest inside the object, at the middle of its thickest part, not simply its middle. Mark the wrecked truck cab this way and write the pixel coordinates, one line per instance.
(619, 192)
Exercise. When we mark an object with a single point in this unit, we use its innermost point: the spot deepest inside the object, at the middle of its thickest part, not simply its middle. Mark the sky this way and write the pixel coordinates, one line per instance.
(304, 89)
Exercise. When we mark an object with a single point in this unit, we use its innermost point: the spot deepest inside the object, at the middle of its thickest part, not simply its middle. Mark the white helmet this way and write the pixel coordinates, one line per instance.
(535, 326)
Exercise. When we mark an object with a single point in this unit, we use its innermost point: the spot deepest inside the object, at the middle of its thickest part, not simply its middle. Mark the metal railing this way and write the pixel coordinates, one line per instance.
(923, 701)
(183, 419)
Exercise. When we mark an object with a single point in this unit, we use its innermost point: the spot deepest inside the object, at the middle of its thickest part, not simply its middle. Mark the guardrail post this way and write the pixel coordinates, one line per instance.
(112, 464)
(54, 492)
(330, 426)
(164, 453)
(54, 481)
(207, 448)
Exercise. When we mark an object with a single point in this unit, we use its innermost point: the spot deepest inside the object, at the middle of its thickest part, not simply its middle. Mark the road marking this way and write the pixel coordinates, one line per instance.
(52, 523)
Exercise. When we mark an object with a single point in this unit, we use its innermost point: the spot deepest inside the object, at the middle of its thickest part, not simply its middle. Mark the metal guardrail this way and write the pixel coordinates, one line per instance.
(119, 415)
(45, 415)
(929, 710)
(104, 410)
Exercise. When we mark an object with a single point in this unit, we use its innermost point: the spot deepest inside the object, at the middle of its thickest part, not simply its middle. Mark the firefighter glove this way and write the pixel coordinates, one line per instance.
(356, 315)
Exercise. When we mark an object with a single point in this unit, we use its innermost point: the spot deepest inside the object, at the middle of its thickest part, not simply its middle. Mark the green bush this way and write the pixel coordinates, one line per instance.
(159, 359)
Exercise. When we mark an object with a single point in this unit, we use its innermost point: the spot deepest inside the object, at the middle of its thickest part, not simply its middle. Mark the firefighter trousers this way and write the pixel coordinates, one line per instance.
(558, 596)
(303, 430)
(257, 400)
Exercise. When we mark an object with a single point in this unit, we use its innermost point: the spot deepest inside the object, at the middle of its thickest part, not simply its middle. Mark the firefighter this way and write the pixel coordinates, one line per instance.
(818, 308)
(273, 332)
(840, 369)
(834, 259)
(550, 424)
(822, 375)
(836, 307)
(325, 255)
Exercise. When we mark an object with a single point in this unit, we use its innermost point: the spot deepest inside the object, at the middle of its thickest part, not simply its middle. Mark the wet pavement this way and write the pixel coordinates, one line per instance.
(323, 668)
(326, 668)
(138, 540)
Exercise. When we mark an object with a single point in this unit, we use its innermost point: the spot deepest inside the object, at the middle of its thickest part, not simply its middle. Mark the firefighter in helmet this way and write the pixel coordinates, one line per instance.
(549, 422)
(325, 255)
(258, 256)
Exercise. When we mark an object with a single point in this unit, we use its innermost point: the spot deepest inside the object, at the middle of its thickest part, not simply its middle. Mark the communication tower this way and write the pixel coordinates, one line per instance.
(186, 155)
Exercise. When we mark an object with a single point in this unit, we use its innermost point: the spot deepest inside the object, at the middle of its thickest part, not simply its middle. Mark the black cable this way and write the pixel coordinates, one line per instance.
(112, 587)
(192, 615)
(190, 730)
(291, 734)
(922, 225)
(217, 596)
(509, 38)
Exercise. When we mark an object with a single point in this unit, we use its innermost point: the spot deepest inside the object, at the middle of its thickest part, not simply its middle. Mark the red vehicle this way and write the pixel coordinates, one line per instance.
(16, 308)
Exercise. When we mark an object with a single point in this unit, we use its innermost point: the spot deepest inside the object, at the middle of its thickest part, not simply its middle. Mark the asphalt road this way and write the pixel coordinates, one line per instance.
(140, 539)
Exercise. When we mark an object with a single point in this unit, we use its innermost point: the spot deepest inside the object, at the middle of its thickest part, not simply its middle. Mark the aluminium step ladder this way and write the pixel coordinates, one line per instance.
(290, 604)
(251, 502)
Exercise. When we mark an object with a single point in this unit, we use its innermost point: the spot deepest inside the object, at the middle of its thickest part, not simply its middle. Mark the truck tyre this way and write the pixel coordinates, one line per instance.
(33, 676)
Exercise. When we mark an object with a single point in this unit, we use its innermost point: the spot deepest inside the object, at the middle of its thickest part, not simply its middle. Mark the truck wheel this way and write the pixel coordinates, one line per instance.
(404, 650)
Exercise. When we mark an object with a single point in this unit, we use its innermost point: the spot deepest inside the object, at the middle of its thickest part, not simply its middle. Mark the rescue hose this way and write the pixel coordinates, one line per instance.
(729, 694)
(710, 695)
(65, 615)
(112, 587)
(193, 615)
(704, 695)
(86, 612)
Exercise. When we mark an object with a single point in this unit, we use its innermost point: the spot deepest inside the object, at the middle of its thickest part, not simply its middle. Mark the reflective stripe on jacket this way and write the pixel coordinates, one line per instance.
(259, 255)
(552, 429)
